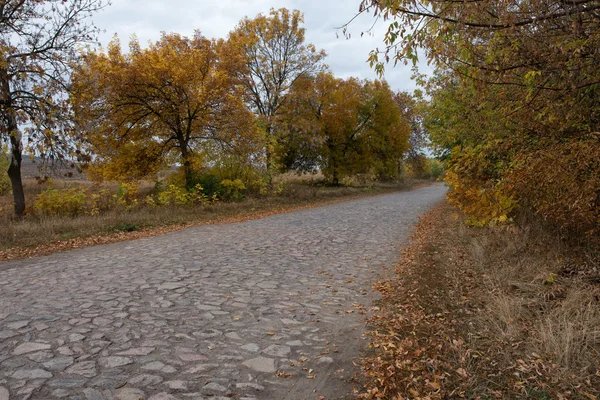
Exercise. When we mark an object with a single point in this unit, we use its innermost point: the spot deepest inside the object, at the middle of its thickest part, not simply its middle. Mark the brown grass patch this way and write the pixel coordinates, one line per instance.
(484, 313)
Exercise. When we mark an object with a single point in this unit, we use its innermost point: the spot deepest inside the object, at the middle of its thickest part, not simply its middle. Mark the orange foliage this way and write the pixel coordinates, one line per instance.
(346, 126)
(148, 108)
(515, 102)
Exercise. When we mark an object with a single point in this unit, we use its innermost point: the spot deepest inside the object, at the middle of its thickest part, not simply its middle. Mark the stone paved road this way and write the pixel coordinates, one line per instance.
(255, 310)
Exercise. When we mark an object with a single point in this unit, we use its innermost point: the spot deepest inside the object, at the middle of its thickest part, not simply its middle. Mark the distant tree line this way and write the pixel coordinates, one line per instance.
(258, 103)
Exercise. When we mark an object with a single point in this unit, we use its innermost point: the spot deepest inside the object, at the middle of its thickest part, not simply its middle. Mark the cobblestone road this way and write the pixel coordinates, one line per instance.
(255, 310)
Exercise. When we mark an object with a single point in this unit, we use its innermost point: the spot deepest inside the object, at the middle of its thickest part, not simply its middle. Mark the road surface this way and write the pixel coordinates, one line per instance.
(266, 309)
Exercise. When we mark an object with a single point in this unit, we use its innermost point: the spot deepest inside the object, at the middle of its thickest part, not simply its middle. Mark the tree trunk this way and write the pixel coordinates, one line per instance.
(333, 164)
(187, 166)
(268, 153)
(14, 173)
(400, 175)
(335, 178)
(11, 129)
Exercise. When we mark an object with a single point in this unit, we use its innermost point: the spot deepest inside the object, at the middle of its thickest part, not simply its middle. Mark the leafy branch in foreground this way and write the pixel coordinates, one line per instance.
(514, 103)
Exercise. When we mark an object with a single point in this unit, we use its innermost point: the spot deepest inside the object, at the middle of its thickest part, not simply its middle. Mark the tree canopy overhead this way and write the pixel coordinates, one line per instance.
(514, 102)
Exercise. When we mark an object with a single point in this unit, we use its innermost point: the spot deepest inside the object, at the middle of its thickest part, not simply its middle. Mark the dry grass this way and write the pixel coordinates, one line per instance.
(484, 313)
(40, 235)
(571, 332)
(536, 302)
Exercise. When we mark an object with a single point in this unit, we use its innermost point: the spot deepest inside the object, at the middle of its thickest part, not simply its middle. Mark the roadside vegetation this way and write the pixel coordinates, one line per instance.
(493, 312)
(499, 294)
(498, 297)
(234, 112)
(513, 103)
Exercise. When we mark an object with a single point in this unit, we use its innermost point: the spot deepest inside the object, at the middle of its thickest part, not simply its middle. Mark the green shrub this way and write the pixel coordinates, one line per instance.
(436, 168)
(66, 202)
(158, 187)
(175, 195)
(210, 185)
(125, 227)
(233, 190)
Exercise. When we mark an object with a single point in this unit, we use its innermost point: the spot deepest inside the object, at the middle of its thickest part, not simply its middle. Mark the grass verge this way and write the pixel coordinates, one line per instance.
(485, 313)
(33, 235)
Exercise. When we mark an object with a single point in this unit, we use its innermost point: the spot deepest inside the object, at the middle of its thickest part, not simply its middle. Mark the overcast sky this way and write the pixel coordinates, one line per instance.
(216, 18)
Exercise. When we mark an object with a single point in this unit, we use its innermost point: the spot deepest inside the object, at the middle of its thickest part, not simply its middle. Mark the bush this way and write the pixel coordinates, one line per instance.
(253, 178)
(477, 185)
(561, 184)
(124, 227)
(175, 195)
(66, 202)
(101, 202)
(128, 194)
(436, 168)
(210, 185)
(233, 190)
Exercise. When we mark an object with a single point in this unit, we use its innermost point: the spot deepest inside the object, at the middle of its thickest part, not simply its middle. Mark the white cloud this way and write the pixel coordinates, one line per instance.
(216, 18)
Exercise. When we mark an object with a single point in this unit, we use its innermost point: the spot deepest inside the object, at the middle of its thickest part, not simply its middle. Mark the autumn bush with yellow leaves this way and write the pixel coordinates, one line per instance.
(78, 201)
(513, 103)
(66, 202)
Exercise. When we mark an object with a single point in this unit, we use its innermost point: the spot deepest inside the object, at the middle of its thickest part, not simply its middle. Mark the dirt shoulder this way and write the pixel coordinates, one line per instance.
(486, 313)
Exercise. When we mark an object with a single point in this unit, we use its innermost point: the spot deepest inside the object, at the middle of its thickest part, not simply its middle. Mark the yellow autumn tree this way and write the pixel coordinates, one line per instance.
(388, 131)
(153, 107)
(275, 57)
(345, 127)
(343, 115)
(514, 102)
(299, 140)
